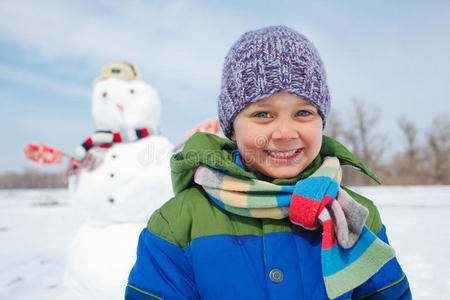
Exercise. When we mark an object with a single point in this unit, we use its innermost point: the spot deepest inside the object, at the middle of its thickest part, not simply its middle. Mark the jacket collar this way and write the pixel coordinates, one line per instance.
(219, 153)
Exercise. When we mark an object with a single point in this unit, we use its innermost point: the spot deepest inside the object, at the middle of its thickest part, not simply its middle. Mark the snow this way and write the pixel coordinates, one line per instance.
(139, 102)
(118, 196)
(116, 200)
(417, 221)
(132, 181)
(36, 227)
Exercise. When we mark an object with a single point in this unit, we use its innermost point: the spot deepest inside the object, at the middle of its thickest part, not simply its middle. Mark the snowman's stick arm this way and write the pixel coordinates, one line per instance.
(67, 155)
(72, 158)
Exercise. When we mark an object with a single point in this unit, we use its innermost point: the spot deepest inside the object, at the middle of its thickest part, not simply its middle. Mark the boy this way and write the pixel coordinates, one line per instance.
(263, 216)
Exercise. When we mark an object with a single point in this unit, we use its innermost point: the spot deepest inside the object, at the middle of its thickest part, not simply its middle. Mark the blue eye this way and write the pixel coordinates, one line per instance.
(262, 115)
(303, 113)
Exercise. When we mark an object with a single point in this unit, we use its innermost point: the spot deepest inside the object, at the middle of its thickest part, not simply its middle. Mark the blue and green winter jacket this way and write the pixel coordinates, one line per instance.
(193, 249)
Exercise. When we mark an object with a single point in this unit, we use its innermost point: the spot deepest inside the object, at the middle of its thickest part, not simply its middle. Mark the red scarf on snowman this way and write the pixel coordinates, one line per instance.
(103, 140)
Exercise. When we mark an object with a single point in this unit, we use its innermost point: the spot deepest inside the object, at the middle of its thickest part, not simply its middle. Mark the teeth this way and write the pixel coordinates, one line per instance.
(282, 154)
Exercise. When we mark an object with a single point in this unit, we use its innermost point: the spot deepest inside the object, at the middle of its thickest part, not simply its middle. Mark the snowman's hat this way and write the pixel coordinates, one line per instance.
(120, 70)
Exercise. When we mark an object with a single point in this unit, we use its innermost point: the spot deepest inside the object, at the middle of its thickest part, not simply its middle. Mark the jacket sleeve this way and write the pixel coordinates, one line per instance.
(388, 283)
(161, 271)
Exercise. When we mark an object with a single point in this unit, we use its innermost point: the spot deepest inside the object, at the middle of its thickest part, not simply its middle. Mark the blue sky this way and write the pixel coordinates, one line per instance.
(395, 54)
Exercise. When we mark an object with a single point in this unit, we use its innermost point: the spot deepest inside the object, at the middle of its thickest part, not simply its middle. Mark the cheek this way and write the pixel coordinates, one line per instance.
(244, 143)
(252, 138)
(313, 138)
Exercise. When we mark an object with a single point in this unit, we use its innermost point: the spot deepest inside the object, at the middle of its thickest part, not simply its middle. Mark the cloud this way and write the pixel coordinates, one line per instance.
(394, 54)
(178, 46)
(167, 38)
(44, 82)
(32, 122)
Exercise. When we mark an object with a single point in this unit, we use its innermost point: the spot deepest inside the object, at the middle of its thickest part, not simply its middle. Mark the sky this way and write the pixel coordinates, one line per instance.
(393, 54)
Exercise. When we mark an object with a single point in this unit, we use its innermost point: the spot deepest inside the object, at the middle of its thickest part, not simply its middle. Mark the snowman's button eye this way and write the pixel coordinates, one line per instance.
(105, 94)
(132, 91)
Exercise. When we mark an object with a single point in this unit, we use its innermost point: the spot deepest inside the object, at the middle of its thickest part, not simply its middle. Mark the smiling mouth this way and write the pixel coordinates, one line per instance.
(283, 155)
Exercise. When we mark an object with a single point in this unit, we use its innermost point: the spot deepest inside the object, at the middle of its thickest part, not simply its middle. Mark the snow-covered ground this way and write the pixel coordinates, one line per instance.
(36, 227)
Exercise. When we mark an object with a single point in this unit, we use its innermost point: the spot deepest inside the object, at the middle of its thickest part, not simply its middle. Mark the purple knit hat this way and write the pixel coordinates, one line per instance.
(268, 61)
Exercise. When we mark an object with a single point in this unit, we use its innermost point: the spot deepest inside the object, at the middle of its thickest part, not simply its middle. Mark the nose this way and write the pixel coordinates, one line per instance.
(120, 107)
(284, 130)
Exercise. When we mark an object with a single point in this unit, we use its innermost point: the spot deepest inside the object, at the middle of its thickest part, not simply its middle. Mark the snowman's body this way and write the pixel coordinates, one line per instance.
(132, 181)
(100, 259)
(118, 196)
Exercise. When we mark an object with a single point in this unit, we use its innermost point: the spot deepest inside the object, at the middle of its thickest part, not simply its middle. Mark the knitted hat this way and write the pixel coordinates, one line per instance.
(268, 61)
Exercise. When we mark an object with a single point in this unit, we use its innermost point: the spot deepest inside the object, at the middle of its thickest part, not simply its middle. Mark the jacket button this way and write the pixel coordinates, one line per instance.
(276, 275)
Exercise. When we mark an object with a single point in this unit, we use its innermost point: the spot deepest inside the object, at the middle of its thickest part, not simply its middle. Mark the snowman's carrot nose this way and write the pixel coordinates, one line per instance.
(120, 107)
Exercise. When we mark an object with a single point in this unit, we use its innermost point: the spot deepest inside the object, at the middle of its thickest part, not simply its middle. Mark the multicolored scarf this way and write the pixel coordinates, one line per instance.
(104, 139)
(351, 253)
(101, 140)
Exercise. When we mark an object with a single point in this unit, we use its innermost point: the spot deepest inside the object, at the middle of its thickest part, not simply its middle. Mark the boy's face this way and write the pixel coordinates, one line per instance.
(278, 136)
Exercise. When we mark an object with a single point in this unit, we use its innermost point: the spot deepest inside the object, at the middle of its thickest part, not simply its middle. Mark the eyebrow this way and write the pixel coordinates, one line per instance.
(262, 104)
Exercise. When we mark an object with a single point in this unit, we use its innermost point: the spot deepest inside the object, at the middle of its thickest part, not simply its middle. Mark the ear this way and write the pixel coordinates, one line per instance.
(232, 135)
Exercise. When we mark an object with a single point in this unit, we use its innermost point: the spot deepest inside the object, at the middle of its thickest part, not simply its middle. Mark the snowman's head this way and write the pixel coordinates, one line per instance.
(121, 101)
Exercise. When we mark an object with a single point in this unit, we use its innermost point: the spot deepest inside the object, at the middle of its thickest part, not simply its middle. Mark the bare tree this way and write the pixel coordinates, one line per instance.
(361, 135)
(366, 143)
(30, 178)
(406, 165)
(334, 128)
(410, 132)
(438, 138)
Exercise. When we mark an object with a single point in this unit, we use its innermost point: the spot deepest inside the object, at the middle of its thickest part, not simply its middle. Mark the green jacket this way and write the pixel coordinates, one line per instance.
(218, 153)
(194, 249)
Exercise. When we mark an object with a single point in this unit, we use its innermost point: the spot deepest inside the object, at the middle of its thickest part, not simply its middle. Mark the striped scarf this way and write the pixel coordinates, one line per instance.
(104, 139)
(350, 254)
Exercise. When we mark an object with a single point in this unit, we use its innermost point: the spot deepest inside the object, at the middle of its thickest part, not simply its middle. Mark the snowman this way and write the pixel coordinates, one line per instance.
(126, 179)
